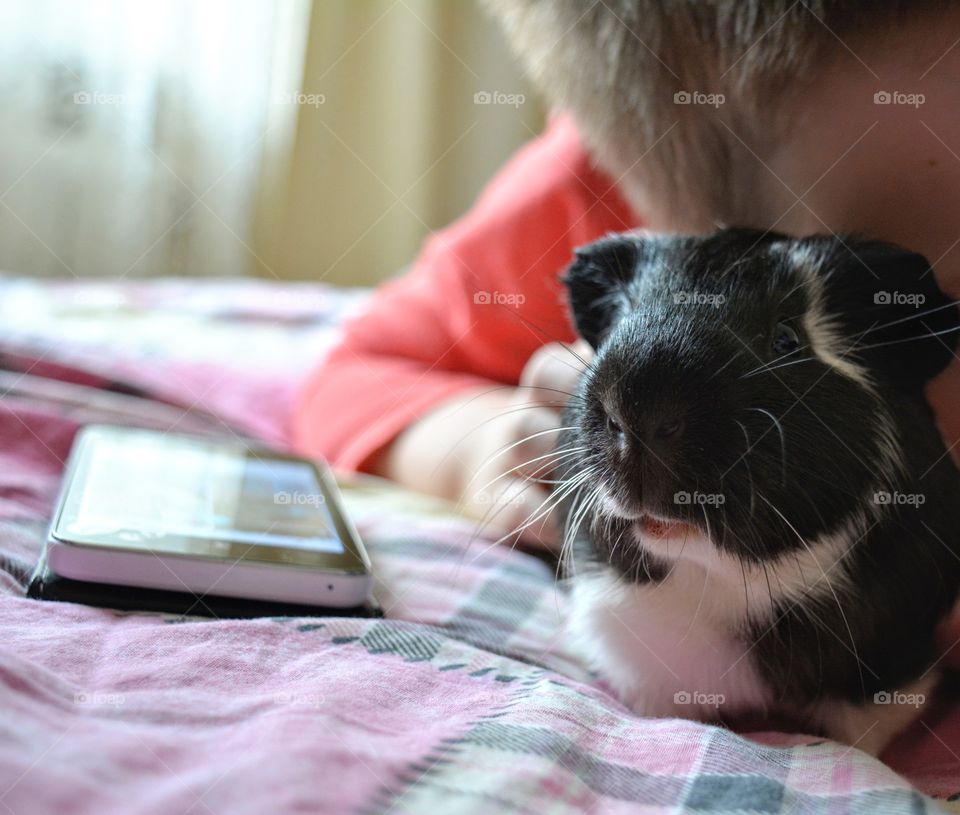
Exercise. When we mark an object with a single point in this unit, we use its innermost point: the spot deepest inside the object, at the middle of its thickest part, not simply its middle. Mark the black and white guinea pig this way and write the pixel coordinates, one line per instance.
(761, 515)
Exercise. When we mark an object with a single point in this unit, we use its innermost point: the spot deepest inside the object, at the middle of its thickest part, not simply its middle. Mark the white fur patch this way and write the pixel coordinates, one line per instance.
(829, 345)
(678, 648)
(826, 340)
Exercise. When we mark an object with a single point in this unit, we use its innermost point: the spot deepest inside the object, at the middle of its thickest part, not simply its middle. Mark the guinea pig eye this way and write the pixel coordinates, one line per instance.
(613, 426)
(785, 340)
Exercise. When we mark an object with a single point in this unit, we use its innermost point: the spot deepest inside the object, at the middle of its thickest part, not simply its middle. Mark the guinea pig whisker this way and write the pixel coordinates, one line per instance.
(559, 455)
(773, 364)
(482, 523)
(567, 486)
(799, 286)
(917, 316)
(743, 571)
(499, 388)
(566, 545)
(725, 364)
(791, 362)
(696, 613)
(741, 457)
(539, 513)
(910, 339)
(783, 442)
(826, 580)
(773, 361)
(483, 424)
(766, 573)
(581, 513)
(746, 453)
(548, 336)
(560, 391)
(590, 506)
(616, 543)
(507, 448)
(498, 507)
(578, 508)
(766, 580)
(536, 478)
(706, 520)
(741, 541)
(746, 591)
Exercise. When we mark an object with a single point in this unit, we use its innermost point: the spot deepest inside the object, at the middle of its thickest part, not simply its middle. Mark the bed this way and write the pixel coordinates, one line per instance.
(462, 699)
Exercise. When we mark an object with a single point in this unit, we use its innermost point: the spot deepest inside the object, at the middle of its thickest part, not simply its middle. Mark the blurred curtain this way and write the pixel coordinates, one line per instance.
(415, 105)
(314, 139)
(132, 134)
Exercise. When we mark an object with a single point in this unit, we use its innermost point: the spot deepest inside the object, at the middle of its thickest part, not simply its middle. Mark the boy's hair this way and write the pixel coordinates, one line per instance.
(725, 74)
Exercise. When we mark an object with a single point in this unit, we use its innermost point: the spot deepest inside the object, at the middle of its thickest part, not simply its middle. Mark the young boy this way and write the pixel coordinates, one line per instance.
(682, 116)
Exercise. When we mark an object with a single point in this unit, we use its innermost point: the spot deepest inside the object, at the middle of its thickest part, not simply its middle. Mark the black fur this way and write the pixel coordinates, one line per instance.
(674, 400)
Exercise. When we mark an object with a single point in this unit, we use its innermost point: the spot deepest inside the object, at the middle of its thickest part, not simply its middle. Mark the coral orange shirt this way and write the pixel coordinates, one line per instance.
(483, 295)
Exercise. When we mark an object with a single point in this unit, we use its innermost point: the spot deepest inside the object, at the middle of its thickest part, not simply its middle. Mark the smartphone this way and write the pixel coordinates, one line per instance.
(174, 513)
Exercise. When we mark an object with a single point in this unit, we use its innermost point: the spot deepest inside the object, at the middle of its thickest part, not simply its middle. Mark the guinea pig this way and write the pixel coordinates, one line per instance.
(761, 516)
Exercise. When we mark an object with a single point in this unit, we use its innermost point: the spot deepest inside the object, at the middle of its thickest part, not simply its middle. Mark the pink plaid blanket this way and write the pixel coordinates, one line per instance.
(462, 700)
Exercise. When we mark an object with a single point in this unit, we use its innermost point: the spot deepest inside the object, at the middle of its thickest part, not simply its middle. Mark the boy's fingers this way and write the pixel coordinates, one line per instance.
(552, 372)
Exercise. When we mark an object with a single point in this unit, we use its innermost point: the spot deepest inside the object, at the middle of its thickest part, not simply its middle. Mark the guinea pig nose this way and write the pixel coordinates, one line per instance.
(671, 427)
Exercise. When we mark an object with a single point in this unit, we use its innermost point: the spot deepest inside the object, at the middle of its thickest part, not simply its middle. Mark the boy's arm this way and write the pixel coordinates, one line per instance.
(483, 447)
(435, 355)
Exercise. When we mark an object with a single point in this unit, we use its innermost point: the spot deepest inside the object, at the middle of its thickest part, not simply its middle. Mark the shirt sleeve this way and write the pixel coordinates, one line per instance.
(482, 296)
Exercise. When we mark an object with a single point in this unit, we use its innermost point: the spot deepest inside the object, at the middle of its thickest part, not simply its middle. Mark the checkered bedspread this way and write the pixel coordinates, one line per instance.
(463, 699)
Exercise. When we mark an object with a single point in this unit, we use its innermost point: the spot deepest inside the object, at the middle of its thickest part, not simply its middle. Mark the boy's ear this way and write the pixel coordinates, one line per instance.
(902, 326)
(598, 284)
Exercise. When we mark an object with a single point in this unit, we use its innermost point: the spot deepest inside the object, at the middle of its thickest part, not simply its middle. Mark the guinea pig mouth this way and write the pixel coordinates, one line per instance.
(648, 524)
(651, 526)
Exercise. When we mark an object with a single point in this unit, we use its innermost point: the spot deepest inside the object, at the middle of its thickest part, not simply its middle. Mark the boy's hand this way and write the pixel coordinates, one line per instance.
(487, 450)
(521, 448)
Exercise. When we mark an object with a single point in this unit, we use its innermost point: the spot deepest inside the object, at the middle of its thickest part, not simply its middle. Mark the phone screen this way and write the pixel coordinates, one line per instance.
(175, 493)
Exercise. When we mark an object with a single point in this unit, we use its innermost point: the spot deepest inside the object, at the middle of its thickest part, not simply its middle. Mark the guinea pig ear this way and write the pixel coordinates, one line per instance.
(598, 284)
(904, 328)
